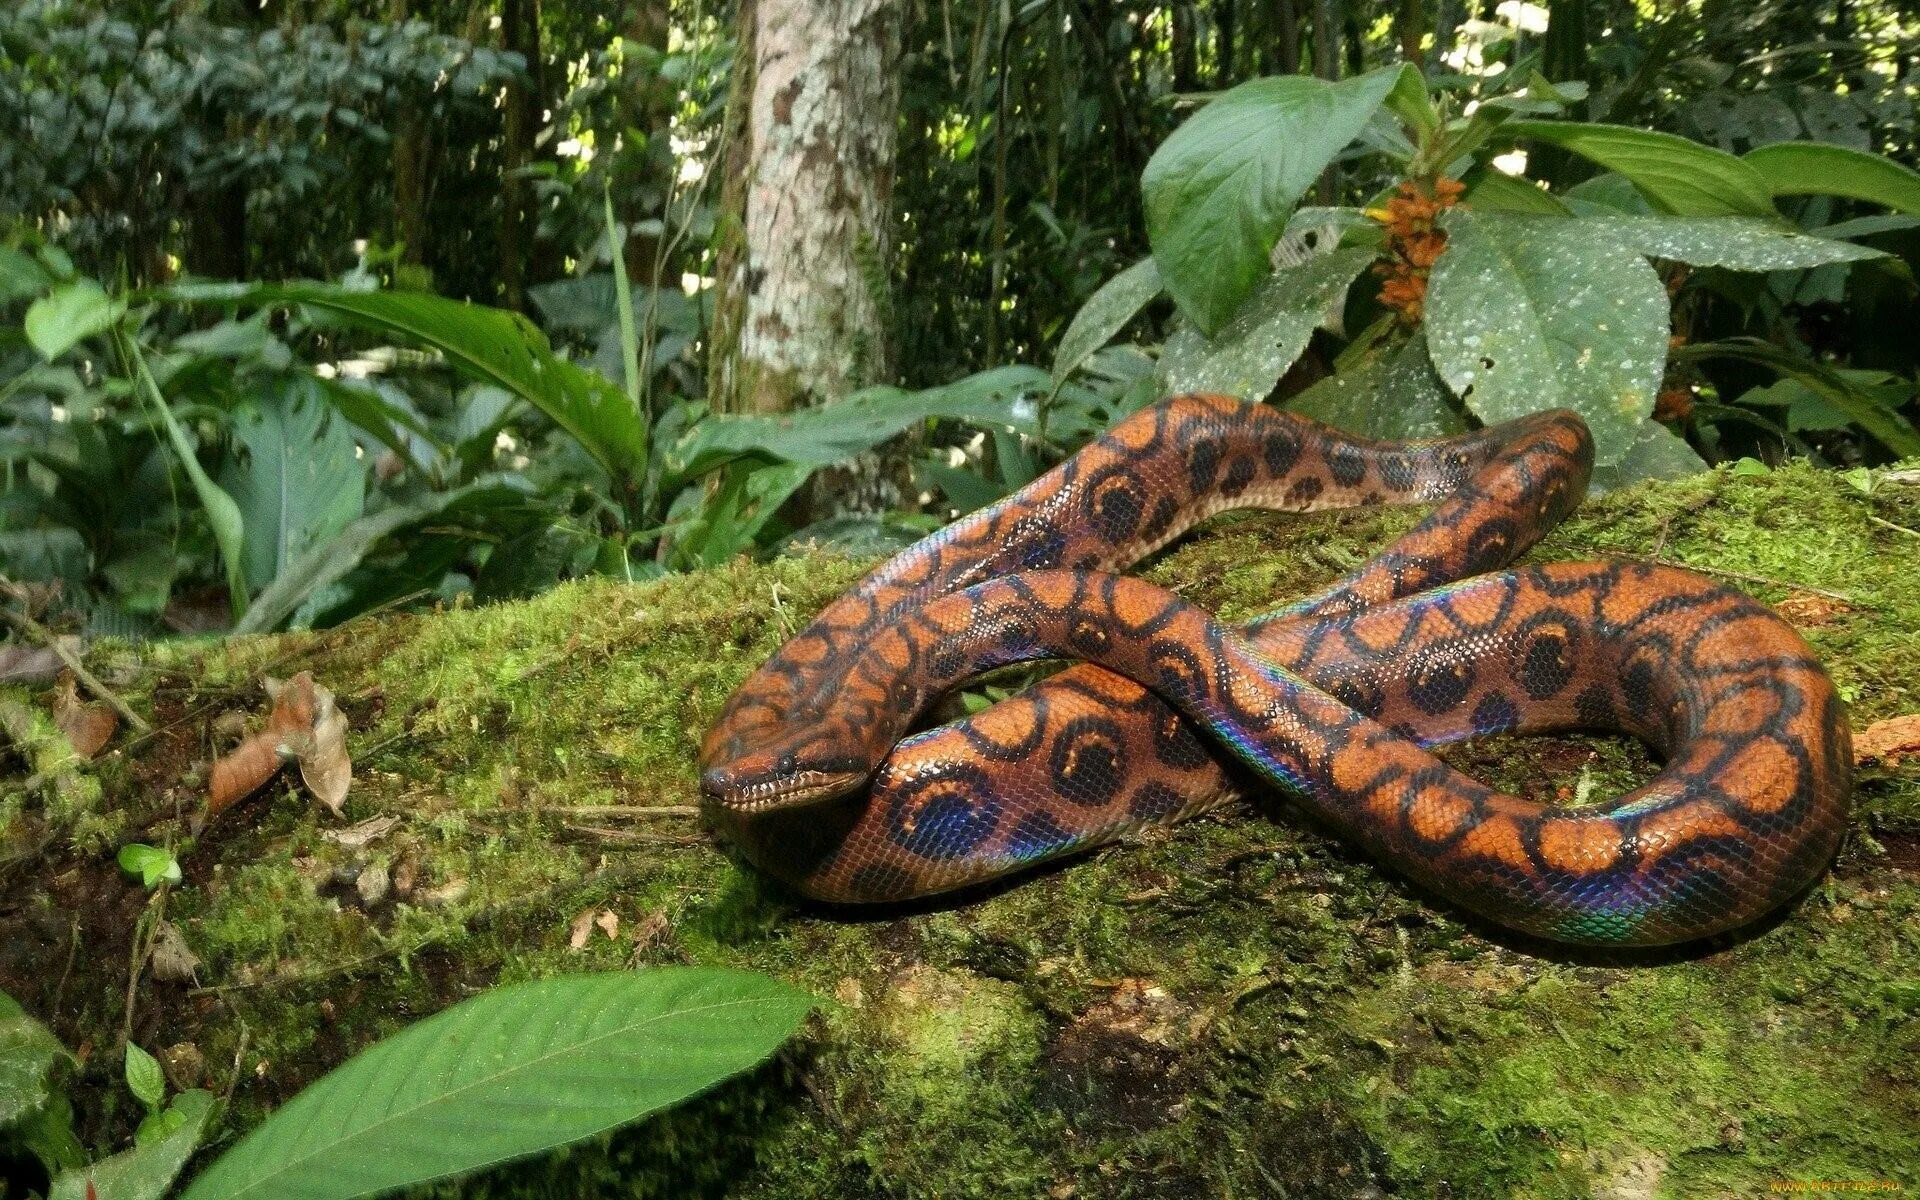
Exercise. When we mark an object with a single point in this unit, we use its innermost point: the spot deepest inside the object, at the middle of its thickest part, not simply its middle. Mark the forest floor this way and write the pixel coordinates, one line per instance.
(1236, 1007)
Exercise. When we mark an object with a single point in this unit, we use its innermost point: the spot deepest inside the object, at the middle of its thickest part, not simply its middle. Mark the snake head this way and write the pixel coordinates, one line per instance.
(765, 780)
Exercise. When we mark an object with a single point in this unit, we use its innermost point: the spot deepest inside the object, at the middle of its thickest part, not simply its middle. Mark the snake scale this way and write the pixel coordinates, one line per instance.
(1336, 699)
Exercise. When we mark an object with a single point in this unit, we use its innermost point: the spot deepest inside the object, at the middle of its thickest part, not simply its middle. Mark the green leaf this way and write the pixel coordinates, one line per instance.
(1106, 312)
(20, 276)
(70, 314)
(329, 560)
(1678, 176)
(836, 431)
(518, 1070)
(28, 1054)
(302, 482)
(1531, 313)
(144, 1078)
(144, 1172)
(1737, 243)
(728, 520)
(487, 344)
(150, 864)
(1392, 394)
(1410, 101)
(1255, 349)
(1814, 168)
(1218, 191)
(1498, 191)
(223, 515)
(1655, 453)
(1886, 426)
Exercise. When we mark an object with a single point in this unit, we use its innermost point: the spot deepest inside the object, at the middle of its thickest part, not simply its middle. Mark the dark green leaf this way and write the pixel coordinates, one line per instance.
(1392, 394)
(303, 480)
(1218, 191)
(145, 1172)
(1737, 243)
(1655, 453)
(1812, 168)
(68, 315)
(28, 1054)
(1106, 313)
(1678, 176)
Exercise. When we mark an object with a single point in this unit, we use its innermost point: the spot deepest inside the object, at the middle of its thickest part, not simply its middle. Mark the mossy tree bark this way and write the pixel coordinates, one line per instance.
(1239, 1006)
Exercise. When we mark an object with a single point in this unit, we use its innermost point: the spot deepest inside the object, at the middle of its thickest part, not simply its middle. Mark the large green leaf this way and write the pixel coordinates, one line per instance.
(1678, 176)
(1814, 168)
(1249, 355)
(223, 515)
(302, 481)
(1218, 191)
(1739, 243)
(1392, 394)
(330, 560)
(144, 1172)
(1106, 313)
(1530, 313)
(727, 521)
(509, 1073)
(833, 432)
(68, 315)
(28, 1054)
(488, 344)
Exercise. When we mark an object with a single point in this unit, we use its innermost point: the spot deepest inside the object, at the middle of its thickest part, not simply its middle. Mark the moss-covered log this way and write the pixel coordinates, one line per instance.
(1238, 1007)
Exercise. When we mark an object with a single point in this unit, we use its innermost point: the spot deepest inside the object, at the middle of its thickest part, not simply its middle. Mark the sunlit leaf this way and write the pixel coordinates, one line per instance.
(1678, 176)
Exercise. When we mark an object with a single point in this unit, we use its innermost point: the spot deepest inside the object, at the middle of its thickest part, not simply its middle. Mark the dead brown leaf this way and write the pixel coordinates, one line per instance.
(1888, 740)
(173, 961)
(1810, 611)
(581, 930)
(28, 664)
(324, 765)
(88, 726)
(305, 725)
(609, 923)
(367, 832)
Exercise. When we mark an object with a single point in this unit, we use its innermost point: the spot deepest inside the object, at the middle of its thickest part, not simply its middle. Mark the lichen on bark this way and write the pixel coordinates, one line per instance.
(1240, 1006)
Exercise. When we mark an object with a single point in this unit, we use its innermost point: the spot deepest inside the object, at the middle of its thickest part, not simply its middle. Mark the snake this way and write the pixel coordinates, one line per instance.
(816, 770)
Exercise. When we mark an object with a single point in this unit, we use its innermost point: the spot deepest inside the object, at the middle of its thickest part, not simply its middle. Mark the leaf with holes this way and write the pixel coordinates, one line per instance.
(1531, 313)
(1219, 190)
(512, 1072)
(1255, 349)
(1391, 394)
(1737, 243)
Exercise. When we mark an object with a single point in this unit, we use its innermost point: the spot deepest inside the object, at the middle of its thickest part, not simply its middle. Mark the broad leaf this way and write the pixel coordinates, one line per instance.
(1531, 313)
(1655, 453)
(302, 481)
(488, 344)
(518, 1070)
(840, 429)
(28, 1054)
(1678, 176)
(728, 521)
(330, 560)
(68, 315)
(1106, 312)
(1497, 191)
(1391, 395)
(229, 530)
(1738, 243)
(1888, 427)
(1219, 189)
(1255, 349)
(144, 1172)
(1814, 168)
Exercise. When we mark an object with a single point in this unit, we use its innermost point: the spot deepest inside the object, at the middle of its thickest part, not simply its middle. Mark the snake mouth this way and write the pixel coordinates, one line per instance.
(743, 792)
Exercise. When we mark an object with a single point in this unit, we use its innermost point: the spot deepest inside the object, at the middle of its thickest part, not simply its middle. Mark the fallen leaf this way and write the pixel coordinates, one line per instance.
(581, 930)
(451, 892)
(246, 768)
(609, 923)
(373, 884)
(1811, 611)
(88, 726)
(367, 832)
(651, 931)
(28, 664)
(324, 765)
(1888, 740)
(173, 961)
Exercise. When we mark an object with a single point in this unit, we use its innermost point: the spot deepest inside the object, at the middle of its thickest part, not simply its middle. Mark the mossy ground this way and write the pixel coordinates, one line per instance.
(1239, 1007)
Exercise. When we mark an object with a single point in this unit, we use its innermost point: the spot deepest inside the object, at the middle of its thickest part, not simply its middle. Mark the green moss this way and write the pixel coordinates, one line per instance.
(1315, 1026)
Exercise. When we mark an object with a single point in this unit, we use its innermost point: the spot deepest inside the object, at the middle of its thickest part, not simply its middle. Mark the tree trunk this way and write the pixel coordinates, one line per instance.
(520, 31)
(1280, 54)
(410, 142)
(649, 108)
(810, 182)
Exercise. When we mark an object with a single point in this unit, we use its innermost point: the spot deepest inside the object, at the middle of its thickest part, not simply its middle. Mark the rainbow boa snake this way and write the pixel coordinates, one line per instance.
(1336, 698)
